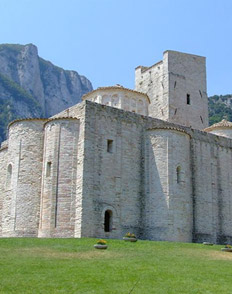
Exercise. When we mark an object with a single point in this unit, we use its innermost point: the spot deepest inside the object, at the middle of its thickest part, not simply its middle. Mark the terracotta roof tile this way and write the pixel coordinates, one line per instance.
(222, 124)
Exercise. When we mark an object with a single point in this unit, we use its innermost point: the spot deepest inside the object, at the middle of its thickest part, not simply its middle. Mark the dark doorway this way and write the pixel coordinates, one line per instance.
(108, 221)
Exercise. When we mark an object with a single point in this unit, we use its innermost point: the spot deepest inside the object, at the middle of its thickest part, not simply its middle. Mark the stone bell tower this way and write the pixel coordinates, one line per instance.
(176, 87)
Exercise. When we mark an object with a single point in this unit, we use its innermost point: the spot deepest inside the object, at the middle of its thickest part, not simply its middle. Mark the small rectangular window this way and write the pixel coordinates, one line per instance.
(110, 146)
(188, 99)
(48, 169)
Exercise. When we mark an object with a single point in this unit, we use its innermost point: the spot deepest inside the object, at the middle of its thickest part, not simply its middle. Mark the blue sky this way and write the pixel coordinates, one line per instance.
(106, 39)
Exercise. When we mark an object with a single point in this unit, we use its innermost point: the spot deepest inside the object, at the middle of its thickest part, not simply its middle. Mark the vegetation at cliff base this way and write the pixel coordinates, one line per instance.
(18, 93)
(220, 107)
(30, 265)
(7, 114)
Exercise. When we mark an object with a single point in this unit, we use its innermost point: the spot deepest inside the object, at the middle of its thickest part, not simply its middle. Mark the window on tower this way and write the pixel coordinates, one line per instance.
(178, 174)
(110, 146)
(188, 99)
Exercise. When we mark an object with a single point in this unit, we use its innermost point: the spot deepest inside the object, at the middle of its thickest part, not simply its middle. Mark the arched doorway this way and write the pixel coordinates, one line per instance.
(108, 221)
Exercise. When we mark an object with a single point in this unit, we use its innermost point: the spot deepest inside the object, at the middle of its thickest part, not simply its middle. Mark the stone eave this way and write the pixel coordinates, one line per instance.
(169, 128)
(224, 124)
(60, 118)
(26, 119)
(117, 88)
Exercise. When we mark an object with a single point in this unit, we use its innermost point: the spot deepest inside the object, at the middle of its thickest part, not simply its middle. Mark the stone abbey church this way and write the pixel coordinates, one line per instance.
(141, 160)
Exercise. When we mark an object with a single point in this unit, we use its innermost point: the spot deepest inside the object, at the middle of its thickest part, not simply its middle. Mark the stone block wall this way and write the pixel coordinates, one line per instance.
(112, 177)
(58, 196)
(20, 208)
(121, 98)
(212, 185)
(3, 174)
(187, 77)
(176, 87)
(100, 165)
(154, 82)
(168, 209)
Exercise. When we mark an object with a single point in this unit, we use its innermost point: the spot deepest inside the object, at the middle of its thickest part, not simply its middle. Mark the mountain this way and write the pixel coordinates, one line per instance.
(220, 107)
(33, 87)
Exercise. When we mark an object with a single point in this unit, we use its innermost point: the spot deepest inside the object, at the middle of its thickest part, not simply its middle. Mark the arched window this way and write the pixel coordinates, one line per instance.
(108, 221)
(178, 174)
(9, 176)
(126, 103)
(106, 100)
(115, 100)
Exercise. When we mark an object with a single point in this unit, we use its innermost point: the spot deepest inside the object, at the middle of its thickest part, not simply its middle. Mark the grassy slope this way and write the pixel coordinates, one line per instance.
(74, 266)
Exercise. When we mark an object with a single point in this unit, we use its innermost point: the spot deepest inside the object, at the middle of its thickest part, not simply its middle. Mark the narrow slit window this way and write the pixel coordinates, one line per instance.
(9, 176)
(110, 146)
(200, 93)
(188, 99)
(48, 169)
(175, 85)
(178, 174)
(201, 119)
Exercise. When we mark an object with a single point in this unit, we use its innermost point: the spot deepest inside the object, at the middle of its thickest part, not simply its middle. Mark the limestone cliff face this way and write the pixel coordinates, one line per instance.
(33, 87)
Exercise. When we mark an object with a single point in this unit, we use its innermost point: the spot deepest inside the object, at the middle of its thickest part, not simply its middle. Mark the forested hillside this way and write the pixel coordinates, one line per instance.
(220, 107)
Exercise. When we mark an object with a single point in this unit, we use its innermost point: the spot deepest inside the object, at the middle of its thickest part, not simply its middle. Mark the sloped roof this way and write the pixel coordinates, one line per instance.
(222, 124)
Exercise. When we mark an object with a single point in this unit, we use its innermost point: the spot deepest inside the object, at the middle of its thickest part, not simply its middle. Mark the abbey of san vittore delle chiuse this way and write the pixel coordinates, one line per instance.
(141, 160)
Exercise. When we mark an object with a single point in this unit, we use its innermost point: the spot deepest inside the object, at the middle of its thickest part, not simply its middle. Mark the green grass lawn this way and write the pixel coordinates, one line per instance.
(73, 266)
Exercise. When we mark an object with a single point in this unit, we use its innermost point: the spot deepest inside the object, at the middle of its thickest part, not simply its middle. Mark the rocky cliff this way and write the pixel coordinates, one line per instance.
(33, 87)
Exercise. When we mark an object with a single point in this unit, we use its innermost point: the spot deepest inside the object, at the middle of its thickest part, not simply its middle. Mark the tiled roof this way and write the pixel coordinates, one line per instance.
(168, 128)
(26, 119)
(222, 124)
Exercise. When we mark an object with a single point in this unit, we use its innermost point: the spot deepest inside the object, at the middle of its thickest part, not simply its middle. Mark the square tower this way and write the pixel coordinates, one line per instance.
(176, 87)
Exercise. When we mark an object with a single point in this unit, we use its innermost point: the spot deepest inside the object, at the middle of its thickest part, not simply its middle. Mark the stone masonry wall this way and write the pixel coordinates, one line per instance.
(78, 111)
(184, 214)
(112, 180)
(169, 82)
(168, 210)
(212, 198)
(153, 81)
(97, 158)
(58, 197)
(121, 98)
(187, 76)
(3, 168)
(20, 212)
